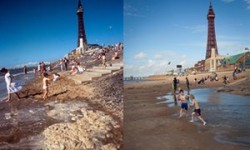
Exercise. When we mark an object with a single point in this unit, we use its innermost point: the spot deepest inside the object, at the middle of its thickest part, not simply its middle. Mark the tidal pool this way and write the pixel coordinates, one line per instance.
(227, 115)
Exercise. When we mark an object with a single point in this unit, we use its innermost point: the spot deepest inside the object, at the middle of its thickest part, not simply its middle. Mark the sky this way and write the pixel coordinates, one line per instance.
(157, 32)
(45, 30)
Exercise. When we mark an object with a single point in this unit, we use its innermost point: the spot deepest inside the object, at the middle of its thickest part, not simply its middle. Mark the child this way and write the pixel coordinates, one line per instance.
(45, 85)
(184, 103)
(197, 110)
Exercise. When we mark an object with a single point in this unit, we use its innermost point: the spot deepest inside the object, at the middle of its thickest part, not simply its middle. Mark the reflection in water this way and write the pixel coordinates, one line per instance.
(227, 115)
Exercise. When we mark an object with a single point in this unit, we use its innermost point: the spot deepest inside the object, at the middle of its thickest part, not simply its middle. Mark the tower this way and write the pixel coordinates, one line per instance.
(82, 40)
(211, 37)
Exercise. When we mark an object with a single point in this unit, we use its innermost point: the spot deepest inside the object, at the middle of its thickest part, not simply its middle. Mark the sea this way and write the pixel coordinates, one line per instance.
(18, 77)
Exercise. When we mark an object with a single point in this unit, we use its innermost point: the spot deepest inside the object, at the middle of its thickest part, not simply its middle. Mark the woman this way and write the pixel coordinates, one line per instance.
(11, 87)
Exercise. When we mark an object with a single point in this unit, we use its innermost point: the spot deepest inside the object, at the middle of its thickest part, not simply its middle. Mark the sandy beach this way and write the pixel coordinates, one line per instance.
(75, 116)
(148, 125)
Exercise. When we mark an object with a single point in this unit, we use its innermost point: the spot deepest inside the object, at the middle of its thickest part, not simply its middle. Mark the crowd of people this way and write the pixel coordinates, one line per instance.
(75, 66)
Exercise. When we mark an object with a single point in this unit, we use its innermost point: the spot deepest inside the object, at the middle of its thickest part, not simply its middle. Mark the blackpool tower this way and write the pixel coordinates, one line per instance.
(81, 40)
(211, 37)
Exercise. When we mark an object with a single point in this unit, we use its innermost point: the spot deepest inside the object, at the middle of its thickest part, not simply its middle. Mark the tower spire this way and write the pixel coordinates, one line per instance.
(211, 37)
(82, 40)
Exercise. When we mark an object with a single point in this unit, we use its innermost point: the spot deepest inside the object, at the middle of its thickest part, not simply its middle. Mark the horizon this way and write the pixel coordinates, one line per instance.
(44, 30)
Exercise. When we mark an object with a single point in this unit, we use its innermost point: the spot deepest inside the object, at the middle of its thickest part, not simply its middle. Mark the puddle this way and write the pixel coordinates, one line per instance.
(227, 115)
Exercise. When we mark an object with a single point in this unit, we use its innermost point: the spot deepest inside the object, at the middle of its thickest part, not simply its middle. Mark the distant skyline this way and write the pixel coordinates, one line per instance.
(161, 34)
(46, 30)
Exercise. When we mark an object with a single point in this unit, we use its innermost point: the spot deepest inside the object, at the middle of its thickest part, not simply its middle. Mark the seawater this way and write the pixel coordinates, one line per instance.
(18, 78)
(227, 115)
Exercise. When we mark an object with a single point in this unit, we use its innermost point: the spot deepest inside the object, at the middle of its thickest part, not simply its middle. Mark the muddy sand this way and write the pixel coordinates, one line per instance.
(87, 116)
(148, 125)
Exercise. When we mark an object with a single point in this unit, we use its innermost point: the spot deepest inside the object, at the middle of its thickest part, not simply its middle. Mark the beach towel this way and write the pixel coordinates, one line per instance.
(13, 88)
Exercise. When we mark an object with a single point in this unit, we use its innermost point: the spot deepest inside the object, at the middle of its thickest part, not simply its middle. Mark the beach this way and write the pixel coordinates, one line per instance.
(152, 125)
(75, 116)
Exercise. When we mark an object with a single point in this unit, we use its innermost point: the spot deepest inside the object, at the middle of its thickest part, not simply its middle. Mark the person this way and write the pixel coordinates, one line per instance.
(73, 70)
(66, 61)
(115, 56)
(80, 68)
(103, 56)
(61, 64)
(187, 83)
(225, 80)
(11, 87)
(234, 75)
(43, 68)
(56, 76)
(45, 85)
(184, 104)
(174, 84)
(197, 110)
(25, 70)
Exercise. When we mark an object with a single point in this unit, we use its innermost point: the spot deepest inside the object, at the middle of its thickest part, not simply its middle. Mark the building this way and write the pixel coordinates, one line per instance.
(212, 58)
(82, 45)
(242, 61)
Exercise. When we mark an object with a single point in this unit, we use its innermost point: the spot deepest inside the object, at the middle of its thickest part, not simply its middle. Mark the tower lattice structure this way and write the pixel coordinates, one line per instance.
(81, 29)
(211, 37)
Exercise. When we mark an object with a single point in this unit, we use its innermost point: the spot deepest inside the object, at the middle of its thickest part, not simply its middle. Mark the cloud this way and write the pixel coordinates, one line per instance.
(157, 56)
(151, 65)
(248, 4)
(140, 55)
(227, 1)
(131, 11)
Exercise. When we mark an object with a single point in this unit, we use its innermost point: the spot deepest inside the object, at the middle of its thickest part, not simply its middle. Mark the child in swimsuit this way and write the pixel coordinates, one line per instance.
(45, 85)
(197, 110)
(184, 103)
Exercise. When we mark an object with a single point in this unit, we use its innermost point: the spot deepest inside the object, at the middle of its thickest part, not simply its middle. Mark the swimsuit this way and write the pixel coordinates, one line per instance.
(45, 87)
(197, 111)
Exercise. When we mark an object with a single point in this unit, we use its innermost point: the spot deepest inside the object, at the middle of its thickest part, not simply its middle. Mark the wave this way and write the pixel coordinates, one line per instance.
(21, 73)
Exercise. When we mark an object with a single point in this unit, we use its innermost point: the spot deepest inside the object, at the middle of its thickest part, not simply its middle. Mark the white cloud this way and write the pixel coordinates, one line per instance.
(157, 56)
(158, 66)
(140, 55)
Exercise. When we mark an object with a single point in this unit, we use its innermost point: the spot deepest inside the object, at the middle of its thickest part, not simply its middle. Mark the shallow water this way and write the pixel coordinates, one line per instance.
(227, 115)
(19, 78)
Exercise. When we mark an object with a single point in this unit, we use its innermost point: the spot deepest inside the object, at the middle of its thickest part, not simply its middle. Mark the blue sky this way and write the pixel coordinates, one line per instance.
(45, 30)
(160, 31)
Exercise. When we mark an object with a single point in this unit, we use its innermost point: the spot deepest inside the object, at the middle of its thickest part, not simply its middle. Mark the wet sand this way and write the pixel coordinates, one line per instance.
(87, 116)
(148, 125)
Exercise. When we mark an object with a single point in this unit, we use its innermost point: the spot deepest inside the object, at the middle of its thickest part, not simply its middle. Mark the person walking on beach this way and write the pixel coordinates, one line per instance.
(25, 70)
(45, 85)
(187, 83)
(197, 110)
(184, 104)
(11, 87)
(66, 61)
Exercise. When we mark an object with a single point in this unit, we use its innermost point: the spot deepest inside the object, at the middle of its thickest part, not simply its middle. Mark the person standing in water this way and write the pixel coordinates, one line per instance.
(197, 110)
(11, 87)
(184, 103)
(188, 85)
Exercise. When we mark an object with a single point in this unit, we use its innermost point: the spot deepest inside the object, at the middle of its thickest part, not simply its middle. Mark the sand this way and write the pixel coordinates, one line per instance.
(148, 125)
(86, 116)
